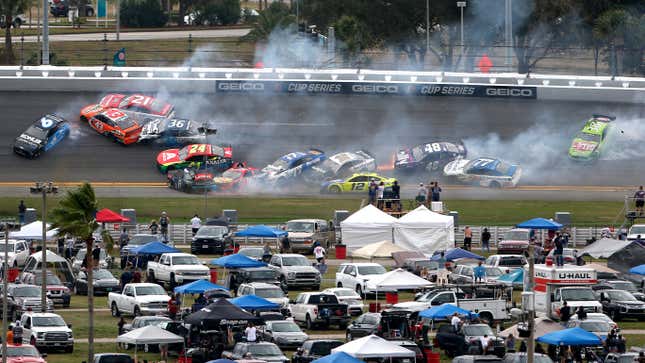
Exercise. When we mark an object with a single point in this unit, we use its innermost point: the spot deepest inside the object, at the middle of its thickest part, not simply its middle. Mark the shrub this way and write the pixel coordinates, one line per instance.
(142, 14)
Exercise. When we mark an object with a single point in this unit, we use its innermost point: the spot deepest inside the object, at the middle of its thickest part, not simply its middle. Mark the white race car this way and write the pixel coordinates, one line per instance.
(485, 172)
(341, 165)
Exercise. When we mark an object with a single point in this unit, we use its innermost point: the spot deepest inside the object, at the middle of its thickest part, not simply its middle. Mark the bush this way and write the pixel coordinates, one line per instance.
(142, 14)
(224, 12)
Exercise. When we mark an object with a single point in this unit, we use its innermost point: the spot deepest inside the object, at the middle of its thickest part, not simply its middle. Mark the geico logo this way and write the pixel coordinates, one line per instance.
(369, 88)
(240, 86)
(509, 92)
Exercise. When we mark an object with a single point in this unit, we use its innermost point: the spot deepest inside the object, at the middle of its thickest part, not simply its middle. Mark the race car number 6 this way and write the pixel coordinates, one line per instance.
(46, 123)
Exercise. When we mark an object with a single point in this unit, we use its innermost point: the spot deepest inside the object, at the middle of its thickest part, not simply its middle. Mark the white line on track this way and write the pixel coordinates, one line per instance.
(297, 124)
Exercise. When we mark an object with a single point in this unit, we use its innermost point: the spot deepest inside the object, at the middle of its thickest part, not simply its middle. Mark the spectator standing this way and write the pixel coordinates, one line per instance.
(195, 223)
(510, 343)
(266, 253)
(284, 241)
(558, 250)
(639, 200)
(565, 313)
(17, 333)
(396, 194)
(61, 245)
(173, 307)
(136, 276)
(480, 272)
(486, 240)
(69, 249)
(435, 191)
(22, 209)
(124, 238)
(371, 192)
(422, 194)
(456, 322)
(380, 190)
(153, 227)
(120, 325)
(442, 260)
(126, 277)
(250, 333)
(10, 334)
(485, 342)
(96, 255)
(319, 253)
(468, 238)
(164, 222)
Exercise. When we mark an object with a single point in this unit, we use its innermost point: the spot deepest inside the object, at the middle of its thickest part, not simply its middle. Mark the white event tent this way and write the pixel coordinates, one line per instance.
(383, 249)
(150, 334)
(398, 279)
(372, 346)
(424, 230)
(603, 248)
(33, 231)
(367, 225)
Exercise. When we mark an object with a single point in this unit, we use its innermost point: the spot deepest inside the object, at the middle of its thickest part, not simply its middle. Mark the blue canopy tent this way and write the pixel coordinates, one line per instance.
(444, 311)
(338, 357)
(455, 254)
(540, 223)
(253, 303)
(261, 231)
(514, 278)
(638, 270)
(148, 250)
(197, 287)
(572, 336)
(237, 260)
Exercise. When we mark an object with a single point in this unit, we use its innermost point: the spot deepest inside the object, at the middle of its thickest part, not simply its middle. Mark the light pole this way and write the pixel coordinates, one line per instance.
(427, 25)
(508, 33)
(528, 303)
(5, 285)
(44, 189)
(45, 32)
(461, 5)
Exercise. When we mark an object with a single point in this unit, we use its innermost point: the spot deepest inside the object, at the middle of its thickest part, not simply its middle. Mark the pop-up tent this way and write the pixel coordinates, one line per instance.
(445, 311)
(629, 256)
(197, 287)
(108, 216)
(339, 357)
(261, 231)
(398, 279)
(424, 230)
(540, 223)
(219, 313)
(237, 260)
(383, 249)
(153, 248)
(372, 346)
(513, 279)
(34, 231)
(367, 225)
(603, 248)
(638, 270)
(573, 336)
(253, 303)
(55, 263)
(150, 334)
(455, 254)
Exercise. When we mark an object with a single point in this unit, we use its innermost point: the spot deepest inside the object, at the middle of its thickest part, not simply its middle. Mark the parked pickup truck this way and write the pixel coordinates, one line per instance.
(489, 310)
(177, 268)
(316, 308)
(139, 299)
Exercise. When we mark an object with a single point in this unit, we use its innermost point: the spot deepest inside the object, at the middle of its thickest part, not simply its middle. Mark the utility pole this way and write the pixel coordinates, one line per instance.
(45, 32)
(44, 189)
(427, 25)
(508, 34)
(5, 286)
(530, 301)
(118, 18)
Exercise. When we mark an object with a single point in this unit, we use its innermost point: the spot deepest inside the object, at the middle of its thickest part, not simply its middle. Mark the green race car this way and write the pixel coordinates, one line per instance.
(355, 183)
(589, 142)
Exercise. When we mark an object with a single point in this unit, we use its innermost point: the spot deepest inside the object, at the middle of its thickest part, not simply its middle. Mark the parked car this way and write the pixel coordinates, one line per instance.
(569, 255)
(364, 325)
(24, 353)
(620, 285)
(514, 242)
(303, 233)
(211, 239)
(477, 359)
(16, 21)
(139, 299)
(508, 263)
(467, 340)
(465, 274)
(143, 321)
(255, 253)
(17, 252)
(316, 308)
(295, 271)
(284, 333)
(314, 349)
(47, 331)
(410, 345)
(599, 327)
(56, 291)
(522, 358)
(112, 358)
(350, 297)
(247, 275)
(597, 316)
(105, 260)
(264, 351)
(270, 292)
(22, 298)
(135, 241)
(619, 304)
(417, 264)
(356, 275)
(177, 269)
(629, 357)
(103, 281)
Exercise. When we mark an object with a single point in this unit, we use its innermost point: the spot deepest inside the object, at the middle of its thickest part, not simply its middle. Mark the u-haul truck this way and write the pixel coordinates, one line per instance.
(554, 286)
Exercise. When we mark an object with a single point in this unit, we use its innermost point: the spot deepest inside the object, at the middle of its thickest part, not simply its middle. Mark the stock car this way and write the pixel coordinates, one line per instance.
(589, 142)
(355, 183)
(117, 125)
(215, 157)
(175, 132)
(41, 136)
(191, 179)
(133, 103)
(291, 165)
(235, 177)
(432, 156)
(485, 172)
(341, 165)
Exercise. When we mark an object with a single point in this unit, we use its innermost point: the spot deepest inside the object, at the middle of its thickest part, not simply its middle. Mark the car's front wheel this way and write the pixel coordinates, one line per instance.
(334, 189)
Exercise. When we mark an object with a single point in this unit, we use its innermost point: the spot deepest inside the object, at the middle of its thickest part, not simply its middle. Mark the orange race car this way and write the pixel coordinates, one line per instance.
(132, 103)
(117, 125)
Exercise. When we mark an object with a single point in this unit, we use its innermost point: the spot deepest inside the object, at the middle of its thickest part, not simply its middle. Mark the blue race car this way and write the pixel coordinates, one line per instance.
(292, 165)
(42, 136)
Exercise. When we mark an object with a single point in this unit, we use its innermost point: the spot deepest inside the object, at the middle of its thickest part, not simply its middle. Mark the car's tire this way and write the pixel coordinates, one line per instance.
(115, 310)
(151, 276)
(17, 23)
(69, 349)
(83, 119)
(308, 323)
(173, 282)
(348, 336)
(614, 315)
(494, 185)
(89, 13)
(334, 189)
(339, 285)
(359, 291)
(486, 318)
(32, 341)
(137, 311)
(15, 264)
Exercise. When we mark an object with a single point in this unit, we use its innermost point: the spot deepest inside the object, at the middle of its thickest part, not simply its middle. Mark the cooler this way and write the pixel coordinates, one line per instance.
(341, 252)
(392, 298)
(431, 356)
(214, 275)
(13, 274)
(375, 307)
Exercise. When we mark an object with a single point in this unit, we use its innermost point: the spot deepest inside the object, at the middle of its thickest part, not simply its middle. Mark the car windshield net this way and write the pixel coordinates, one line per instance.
(150, 290)
(185, 260)
(48, 321)
(620, 295)
(285, 327)
(269, 293)
(478, 330)
(36, 132)
(261, 350)
(595, 326)
(588, 137)
(578, 295)
(306, 227)
(26, 291)
(23, 351)
(280, 164)
(295, 261)
(212, 231)
(371, 270)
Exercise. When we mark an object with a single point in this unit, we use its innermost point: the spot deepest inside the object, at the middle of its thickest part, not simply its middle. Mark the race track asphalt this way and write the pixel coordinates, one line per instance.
(261, 128)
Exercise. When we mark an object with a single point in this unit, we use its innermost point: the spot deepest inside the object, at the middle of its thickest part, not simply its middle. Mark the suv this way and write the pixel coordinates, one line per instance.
(47, 330)
(621, 304)
(135, 241)
(112, 358)
(356, 275)
(620, 285)
(105, 260)
(507, 262)
(17, 253)
(295, 270)
(635, 230)
(266, 291)
(284, 333)
(247, 275)
(314, 349)
(56, 291)
(515, 241)
(211, 239)
(416, 264)
(465, 274)
(22, 298)
(466, 340)
(264, 351)
(303, 233)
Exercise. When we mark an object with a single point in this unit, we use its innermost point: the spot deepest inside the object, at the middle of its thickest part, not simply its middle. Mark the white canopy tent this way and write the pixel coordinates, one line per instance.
(381, 249)
(372, 346)
(603, 248)
(33, 231)
(367, 225)
(398, 279)
(424, 230)
(150, 334)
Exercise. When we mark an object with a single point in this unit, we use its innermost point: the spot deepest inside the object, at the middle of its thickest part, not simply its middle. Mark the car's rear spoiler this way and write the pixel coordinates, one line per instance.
(316, 151)
(611, 118)
(367, 153)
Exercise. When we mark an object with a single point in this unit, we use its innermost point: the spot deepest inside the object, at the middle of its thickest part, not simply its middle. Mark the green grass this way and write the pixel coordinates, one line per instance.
(80, 353)
(104, 324)
(634, 340)
(269, 209)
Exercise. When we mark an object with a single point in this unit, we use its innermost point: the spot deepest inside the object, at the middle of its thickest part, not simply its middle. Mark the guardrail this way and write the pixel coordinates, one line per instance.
(308, 81)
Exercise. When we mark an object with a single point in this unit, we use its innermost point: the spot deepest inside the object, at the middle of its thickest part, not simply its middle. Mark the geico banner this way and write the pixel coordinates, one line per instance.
(370, 88)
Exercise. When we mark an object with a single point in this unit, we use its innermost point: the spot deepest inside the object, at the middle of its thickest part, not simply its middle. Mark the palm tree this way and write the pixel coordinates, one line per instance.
(276, 16)
(9, 8)
(76, 215)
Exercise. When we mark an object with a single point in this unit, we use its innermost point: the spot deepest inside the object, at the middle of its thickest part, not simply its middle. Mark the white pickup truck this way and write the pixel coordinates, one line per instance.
(489, 310)
(177, 268)
(318, 308)
(356, 275)
(139, 299)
